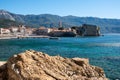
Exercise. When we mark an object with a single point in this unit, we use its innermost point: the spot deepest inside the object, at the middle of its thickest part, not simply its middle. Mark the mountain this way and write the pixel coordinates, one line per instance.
(6, 23)
(48, 20)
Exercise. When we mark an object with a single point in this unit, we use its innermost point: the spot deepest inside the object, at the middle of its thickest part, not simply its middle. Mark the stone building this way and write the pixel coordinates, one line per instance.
(14, 29)
(29, 31)
(87, 30)
(90, 30)
(4, 31)
(0, 30)
(42, 31)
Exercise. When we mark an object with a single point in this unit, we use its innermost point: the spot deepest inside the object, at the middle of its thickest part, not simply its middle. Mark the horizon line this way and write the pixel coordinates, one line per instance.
(59, 15)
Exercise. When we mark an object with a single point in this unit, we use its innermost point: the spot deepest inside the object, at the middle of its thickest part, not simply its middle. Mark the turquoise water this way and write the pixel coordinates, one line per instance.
(103, 51)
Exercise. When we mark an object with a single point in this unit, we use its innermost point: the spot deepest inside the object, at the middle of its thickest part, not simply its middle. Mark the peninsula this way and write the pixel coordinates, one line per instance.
(25, 31)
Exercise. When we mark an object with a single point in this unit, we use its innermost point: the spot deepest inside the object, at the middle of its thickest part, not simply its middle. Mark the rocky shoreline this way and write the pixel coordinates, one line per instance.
(32, 65)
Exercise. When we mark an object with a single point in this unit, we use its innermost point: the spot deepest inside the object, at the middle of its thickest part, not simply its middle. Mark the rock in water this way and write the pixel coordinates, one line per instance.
(32, 65)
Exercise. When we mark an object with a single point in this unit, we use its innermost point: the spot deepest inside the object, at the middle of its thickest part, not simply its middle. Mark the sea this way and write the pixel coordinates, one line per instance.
(102, 51)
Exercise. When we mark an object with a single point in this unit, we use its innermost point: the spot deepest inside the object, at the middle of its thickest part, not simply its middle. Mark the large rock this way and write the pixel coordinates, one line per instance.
(32, 65)
(3, 70)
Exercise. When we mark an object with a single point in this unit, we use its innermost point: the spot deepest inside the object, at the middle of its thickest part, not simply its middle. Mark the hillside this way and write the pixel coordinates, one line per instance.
(5, 23)
(48, 20)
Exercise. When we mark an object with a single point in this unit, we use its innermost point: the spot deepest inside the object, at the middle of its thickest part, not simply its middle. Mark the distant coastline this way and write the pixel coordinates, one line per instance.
(22, 31)
(48, 20)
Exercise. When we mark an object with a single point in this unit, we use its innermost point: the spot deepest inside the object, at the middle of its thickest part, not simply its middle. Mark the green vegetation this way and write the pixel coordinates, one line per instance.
(106, 25)
(5, 23)
(48, 20)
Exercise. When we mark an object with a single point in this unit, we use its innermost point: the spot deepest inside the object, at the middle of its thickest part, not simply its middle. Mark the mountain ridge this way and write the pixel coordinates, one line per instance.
(50, 20)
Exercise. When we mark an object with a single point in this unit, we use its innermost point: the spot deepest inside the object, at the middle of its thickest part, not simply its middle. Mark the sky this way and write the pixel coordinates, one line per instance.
(81, 8)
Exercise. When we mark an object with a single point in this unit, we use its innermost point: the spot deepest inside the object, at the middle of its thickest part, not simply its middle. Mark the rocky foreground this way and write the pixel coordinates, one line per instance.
(32, 65)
